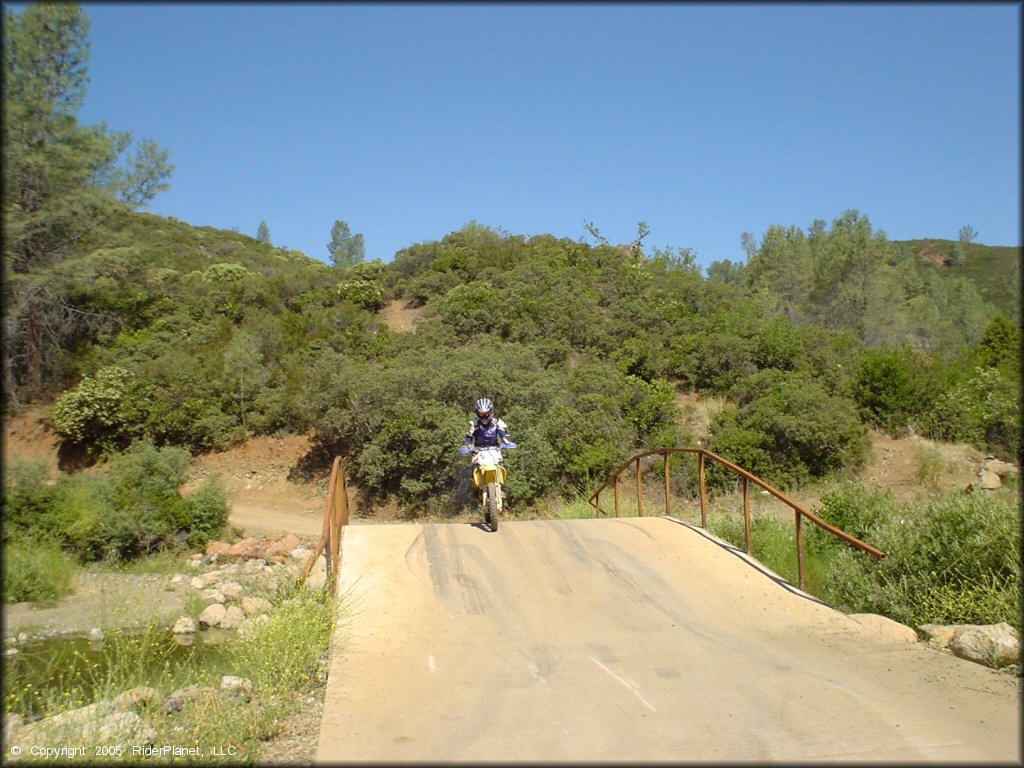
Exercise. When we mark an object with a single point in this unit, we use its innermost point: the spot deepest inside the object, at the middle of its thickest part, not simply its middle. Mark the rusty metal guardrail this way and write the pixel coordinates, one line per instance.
(702, 456)
(335, 519)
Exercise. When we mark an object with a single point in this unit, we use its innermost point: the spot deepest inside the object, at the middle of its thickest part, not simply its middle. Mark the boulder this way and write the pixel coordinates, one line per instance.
(218, 548)
(995, 645)
(301, 554)
(316, 579)
(120, 727)
(179, 578)
(989, 481)
(12, 722)
(247, 547)
(886, 627)
(213, 577)
(235, 684)
(283, 546)
(1001, 468)
(232, 617)
(141, 696)
(255, 565)
(173, 704)
(255, 605)
(96, 634)
(231, 590)
(184, 626)
(198, 582)
(937, 635)
(213, 596)
(188, 693)
(213, 615)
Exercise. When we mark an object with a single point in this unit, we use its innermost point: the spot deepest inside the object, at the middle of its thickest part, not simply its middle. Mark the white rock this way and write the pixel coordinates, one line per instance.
(232, 617)
(214, 577)
(120, 727)
(213, 615)
(214, 596)
(231, 590)
(179, 578)
(886, 627)
(990, 481)
(1001, 468)
(139, 696)
(184, 626)
(938, 635)
(95, 633)
(12, 722)
(995, 645)
(254, 605)
(234, 683)
(316, 579)
(198, 582)
(301, 553)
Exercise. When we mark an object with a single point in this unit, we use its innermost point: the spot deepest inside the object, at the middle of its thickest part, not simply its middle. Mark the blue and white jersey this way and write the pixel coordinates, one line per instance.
(487, 435)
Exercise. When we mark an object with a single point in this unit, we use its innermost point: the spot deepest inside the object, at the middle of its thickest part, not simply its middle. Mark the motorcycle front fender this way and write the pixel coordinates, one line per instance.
(488, 474)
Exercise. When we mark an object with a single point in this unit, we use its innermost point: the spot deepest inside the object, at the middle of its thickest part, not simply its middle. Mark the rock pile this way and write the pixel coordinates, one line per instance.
(239, 577)
(992, 472)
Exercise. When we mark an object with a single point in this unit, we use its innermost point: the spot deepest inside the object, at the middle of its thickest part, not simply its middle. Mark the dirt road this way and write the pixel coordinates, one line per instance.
(628, 640)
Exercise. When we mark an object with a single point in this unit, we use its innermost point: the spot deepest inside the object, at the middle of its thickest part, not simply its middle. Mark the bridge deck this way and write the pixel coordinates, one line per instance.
(630, 640)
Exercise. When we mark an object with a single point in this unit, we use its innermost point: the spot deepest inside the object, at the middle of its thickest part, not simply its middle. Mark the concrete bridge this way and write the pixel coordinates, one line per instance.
(631, 640)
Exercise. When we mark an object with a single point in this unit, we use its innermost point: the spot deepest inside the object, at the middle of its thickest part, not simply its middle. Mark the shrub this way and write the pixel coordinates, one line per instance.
(206, 511)
(36, 571)
(886, 388)
(27, 496)
(984, 411)
(98, 410)
(132, 509)
(954, 561)
(789, 429)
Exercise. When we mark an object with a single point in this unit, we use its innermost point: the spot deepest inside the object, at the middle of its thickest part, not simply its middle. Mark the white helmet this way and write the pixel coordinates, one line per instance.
(484, 408)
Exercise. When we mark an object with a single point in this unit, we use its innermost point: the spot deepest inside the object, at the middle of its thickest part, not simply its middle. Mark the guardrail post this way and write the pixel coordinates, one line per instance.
(667, 485)
(800, 551)
(746, 517)
(639, 491)
(616, 495)
(703, 492)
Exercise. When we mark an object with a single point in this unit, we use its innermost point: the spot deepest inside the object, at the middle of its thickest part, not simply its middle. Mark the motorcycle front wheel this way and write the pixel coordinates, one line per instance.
(493, 505)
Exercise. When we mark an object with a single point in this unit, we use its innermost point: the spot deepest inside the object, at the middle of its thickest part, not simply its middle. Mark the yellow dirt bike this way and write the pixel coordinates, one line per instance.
(489, 475)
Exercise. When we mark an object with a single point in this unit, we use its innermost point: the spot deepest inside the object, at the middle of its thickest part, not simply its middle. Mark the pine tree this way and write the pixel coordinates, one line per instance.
(263, 233)
(345, 248)
(61, 180)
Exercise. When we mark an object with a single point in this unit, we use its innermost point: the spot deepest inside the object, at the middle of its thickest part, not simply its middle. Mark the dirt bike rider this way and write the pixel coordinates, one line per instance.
(485, 431)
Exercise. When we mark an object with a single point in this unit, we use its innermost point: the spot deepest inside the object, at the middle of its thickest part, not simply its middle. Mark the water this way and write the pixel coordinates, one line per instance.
(58, 673)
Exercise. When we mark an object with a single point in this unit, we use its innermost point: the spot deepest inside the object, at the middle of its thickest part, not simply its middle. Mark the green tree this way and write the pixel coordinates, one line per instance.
(263, 233)
(61, 181)
(345, 248)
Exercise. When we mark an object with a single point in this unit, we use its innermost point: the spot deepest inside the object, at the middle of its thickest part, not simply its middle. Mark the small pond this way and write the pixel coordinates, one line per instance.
(48, 674)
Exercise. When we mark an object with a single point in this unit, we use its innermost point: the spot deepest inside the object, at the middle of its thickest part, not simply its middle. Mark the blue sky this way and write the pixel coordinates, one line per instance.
(704, 120)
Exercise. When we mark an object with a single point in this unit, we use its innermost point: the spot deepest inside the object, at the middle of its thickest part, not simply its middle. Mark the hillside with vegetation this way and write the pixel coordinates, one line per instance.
(148, 340)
